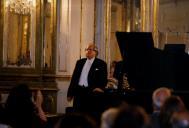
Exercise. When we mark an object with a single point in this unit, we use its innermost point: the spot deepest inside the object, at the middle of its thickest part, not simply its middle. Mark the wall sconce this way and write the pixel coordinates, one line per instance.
(23, 7)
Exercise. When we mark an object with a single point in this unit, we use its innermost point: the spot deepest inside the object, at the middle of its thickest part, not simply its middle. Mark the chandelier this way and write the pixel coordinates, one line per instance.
(20, 6)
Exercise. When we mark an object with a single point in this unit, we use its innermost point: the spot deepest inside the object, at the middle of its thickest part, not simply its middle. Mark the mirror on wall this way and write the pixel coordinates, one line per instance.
(19, 34)
(28, 37)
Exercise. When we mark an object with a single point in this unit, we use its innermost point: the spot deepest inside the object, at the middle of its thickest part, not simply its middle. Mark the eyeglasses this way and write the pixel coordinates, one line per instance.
(89, 49)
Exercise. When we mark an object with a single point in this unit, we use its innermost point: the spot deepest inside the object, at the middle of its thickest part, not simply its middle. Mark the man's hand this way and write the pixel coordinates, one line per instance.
(69, 98)
(98, 90)
(38, 104)
(39, 99)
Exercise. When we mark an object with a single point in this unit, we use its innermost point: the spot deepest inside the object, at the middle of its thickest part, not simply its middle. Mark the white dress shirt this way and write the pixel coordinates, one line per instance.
(83, 80)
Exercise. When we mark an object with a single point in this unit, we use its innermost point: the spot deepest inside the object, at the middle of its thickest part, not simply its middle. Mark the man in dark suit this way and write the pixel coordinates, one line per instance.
(89, 77)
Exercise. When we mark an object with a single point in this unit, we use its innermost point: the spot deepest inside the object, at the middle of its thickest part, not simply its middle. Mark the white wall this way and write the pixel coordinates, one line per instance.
(173, 16)
(75, 31)
(87, 24)
(61, 97)
(174, 22)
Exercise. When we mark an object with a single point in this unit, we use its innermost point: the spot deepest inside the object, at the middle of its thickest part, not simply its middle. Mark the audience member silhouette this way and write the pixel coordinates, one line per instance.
(1, 113)
(76, 120)
(108, 117)
(131, 117)
(158, 98)
(171, 105)
(180, 120)
(21, 112)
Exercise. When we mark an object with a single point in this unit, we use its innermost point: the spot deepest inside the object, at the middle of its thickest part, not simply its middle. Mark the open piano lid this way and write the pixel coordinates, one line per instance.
(134, 41)
(139, 59)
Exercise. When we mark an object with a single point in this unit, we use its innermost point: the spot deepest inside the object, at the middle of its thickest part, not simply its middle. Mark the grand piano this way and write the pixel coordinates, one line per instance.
(148, 68)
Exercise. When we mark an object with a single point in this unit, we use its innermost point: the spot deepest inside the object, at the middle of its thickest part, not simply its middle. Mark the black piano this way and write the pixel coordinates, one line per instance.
(148, 68)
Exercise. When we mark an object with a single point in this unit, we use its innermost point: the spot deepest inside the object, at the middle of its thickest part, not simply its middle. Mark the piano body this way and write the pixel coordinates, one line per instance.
(148, 68)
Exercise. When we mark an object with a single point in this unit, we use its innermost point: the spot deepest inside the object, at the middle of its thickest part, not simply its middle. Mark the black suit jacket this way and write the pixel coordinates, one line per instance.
(97, 76)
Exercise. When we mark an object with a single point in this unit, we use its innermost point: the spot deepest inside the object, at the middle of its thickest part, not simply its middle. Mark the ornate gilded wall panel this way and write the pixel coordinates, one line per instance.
(28, 37)
(27, 47)
(18, 35)
(49, 39)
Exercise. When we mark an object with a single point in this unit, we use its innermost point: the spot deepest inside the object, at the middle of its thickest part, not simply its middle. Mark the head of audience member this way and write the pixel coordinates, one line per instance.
(19, 107)
(20, 97)
(159, 96)
(180, 119)
(131, 117)
(172, 104)
(76, 120)
(108, 117)
(91, 51)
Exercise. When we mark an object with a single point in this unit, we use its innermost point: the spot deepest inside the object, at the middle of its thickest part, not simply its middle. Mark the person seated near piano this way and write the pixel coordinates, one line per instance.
(112, 81)
(120, 73)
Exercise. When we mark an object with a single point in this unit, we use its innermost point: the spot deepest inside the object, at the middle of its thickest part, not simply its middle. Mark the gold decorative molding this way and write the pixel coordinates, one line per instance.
(107, 25)
(143, 15)
(155, 31)
(149, 18)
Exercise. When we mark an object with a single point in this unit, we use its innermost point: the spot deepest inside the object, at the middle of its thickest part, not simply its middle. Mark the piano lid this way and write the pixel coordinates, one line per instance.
(134, 42)
(140, 59)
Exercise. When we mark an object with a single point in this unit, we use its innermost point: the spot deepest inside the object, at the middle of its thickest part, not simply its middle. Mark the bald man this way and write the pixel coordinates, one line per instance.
(89, 76)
